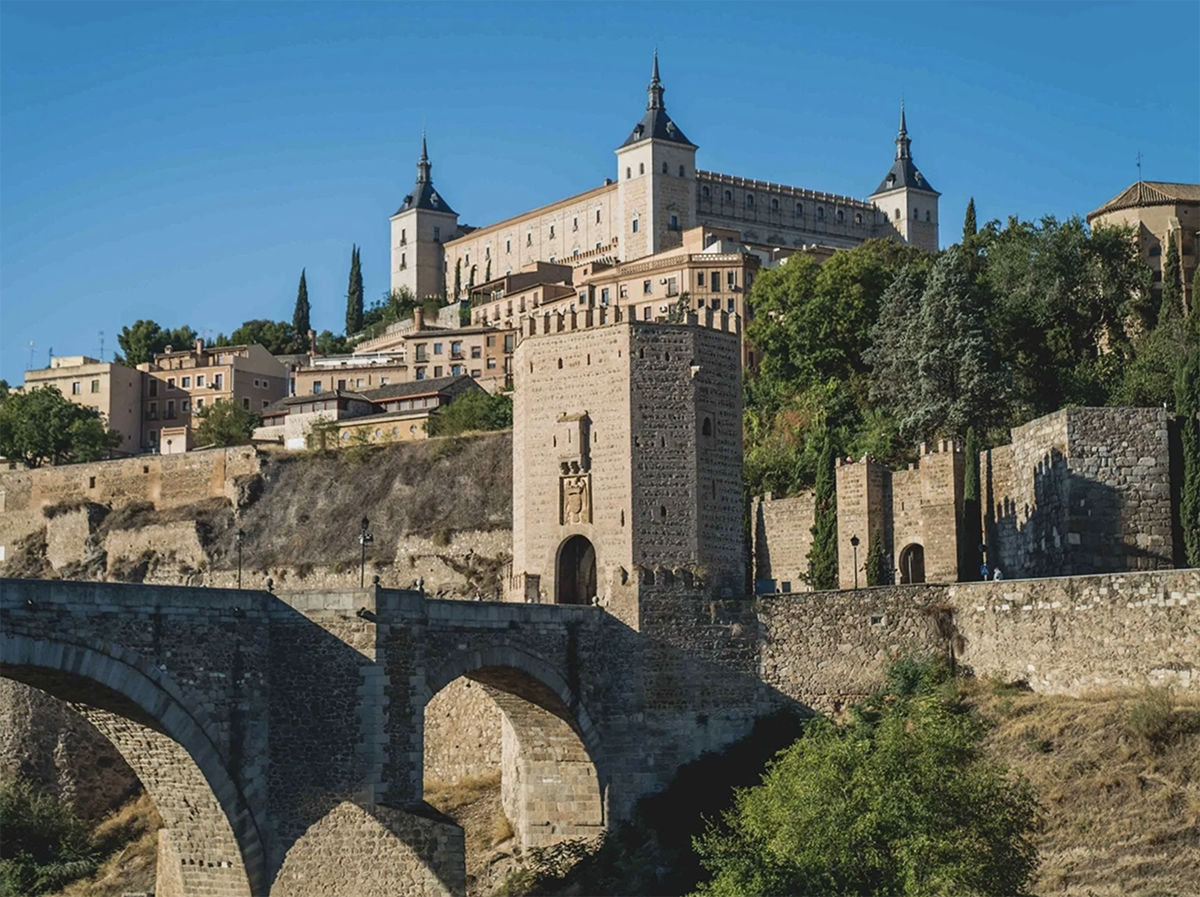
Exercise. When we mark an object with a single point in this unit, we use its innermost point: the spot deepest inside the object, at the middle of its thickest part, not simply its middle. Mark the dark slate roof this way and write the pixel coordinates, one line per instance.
(439, 385)
(904, 172)
(656, 124)
(424, 196)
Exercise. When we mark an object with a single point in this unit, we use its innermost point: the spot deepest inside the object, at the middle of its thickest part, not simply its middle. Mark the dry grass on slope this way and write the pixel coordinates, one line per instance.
(1119, 779)
(130, 836)
(474, 803)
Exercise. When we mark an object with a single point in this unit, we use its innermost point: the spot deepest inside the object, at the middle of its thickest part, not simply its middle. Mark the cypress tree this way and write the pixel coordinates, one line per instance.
(1187, 411)
(457, 279)
(300, 323)
(354, 296)
(970, 531)
(969, 227)
(1171, 305)
(487, 274)
(877, 568)
(823, 556)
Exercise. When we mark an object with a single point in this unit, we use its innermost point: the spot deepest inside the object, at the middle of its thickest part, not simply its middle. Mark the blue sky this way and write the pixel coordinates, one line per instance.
(183, 162)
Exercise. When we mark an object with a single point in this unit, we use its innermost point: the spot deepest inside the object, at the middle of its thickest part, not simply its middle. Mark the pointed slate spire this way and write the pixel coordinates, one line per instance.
(655, 90)
(424, 196)
(903, 143)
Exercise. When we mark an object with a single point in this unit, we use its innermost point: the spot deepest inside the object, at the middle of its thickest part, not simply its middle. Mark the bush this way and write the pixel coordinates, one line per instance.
(44, 847)
(473, 410)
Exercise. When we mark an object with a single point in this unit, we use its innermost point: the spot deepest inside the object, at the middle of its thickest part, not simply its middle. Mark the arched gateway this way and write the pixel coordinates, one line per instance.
(576, 575)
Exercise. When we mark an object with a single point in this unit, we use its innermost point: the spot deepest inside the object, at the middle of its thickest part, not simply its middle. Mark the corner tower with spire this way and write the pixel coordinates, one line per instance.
(656, 177)
(906, 199)
(420, 227)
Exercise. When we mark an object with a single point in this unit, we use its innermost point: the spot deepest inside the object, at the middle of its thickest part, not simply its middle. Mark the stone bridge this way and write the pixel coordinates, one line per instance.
(281, 736)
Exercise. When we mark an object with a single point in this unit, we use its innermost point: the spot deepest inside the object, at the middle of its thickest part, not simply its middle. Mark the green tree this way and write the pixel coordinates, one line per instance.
(900, 801)
(300, 324)
(225, 423)
(1170, 307)
(42, 427)
(45, 846)
(1187, 409)
(970, 228)
(475, 409)
(457, 279)
(354, 295)
(823, 555)
(145, 339)
(972, 521)
(329, 343)
(877, 568)
(277, 337)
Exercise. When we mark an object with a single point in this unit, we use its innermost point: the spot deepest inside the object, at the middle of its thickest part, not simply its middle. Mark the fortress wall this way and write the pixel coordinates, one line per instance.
(1083, 490)
(1068, 635)
(783, 539)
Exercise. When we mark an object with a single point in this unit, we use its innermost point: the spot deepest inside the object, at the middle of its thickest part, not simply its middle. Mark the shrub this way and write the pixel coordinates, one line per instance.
(45, 846)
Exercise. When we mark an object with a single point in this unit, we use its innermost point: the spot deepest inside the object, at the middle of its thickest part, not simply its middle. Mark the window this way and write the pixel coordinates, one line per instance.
(403, 261)
(95, 386)
(1155, 251)
(420, 373)
(598, 245)
(437, 348)
(200, 404)
(153, 387)
(820, 213)
(681, 174)
(665, 168)
(624, 291)
(574, 224)
(476, 352)
(528, 238)
(468, 259)
(927, 218)
(421, 352)
(169, 412)
(858, 218)
(341, 384)
(456, 370)
(604, 296)
(799, 209)
(699, 278)
(749, 200)
(704, 191)
(437, 370)
(491, 364)
(597, 216)
(774, 205)
(728, 196)
(487, 251)
(199, 379)
(437, 235)
(897, 214)
(403, 237)
(154, 437)
(185, 405)
(731, 278)
(552, 232)
(635, 225)
(647, 288)
(729, 305)
(508, 342)
(316, 388)
(641, 168)
(916, 217)
(508, 245)
(674, 223)
(646, 312)
(218, 381)
(383, 381)
(840, 216)
(715, 281)
(186, 382)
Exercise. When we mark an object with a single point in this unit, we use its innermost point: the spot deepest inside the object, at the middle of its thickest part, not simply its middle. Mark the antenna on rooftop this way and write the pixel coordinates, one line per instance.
(1139, 164)
(31, 355)
(102, 346)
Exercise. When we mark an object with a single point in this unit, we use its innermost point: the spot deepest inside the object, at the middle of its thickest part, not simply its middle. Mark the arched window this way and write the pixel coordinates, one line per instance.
(916, 217)
(799, 209)
(820, 213)
(664, 167)
(749, 200)
(774, 205)
(1155, 251)
(729, 196)
(641, 168)
(706, 428)
(840, 216)
(858, 218)
(704, 192)
(897, 214)
(927, 218)
(681, 174)
(628, 173)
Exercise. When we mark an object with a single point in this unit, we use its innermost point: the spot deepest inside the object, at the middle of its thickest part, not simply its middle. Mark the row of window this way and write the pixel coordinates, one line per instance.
(77, 387)
(727, 197)
(666, 169)
(916, 215)
(218, 382)
(487, 250)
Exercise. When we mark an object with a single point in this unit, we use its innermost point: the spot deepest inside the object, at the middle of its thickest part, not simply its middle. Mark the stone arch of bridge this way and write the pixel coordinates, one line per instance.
(211, 842)
(553, 782)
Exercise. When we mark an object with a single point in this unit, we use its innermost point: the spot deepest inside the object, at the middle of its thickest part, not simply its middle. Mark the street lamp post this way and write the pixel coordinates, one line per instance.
(854, 545)
(363, 538)
(241, 537)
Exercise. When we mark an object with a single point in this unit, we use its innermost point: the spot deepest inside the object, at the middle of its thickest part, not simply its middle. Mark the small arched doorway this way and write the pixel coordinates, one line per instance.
(912, 564)
(575, 578)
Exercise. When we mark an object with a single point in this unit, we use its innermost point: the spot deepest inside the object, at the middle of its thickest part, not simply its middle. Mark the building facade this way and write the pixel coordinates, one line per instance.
(657, 194)
(180, 383)
(112, 389)
(1159, 212)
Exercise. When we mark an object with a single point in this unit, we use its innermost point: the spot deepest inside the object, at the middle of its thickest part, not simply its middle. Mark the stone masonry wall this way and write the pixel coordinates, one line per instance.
(782, 541)
(1083, 490)
(462, 733)
(1063, 636)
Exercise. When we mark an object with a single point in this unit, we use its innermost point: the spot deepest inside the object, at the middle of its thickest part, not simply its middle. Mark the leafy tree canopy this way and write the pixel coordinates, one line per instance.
(277, 337)
(43, 427)
(225, 423)
(475, 409)
(330, 343)
(899, 801)
(141, 342)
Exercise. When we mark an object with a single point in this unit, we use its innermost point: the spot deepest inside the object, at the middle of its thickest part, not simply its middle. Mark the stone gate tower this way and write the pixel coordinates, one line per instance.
(420, 227)
(627, 458)
(907, 200)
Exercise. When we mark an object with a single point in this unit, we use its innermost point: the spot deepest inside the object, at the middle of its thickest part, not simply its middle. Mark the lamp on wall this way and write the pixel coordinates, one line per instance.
(364, 538)
(854, 545)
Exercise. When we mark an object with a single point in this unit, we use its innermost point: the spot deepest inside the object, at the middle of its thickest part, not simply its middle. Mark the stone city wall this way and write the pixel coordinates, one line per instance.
(782, 541)
(1069, 635)
(1083, 490)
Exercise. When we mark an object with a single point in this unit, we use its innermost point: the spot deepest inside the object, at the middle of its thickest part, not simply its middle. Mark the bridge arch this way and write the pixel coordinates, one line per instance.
(553, 780)
(211, 842)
